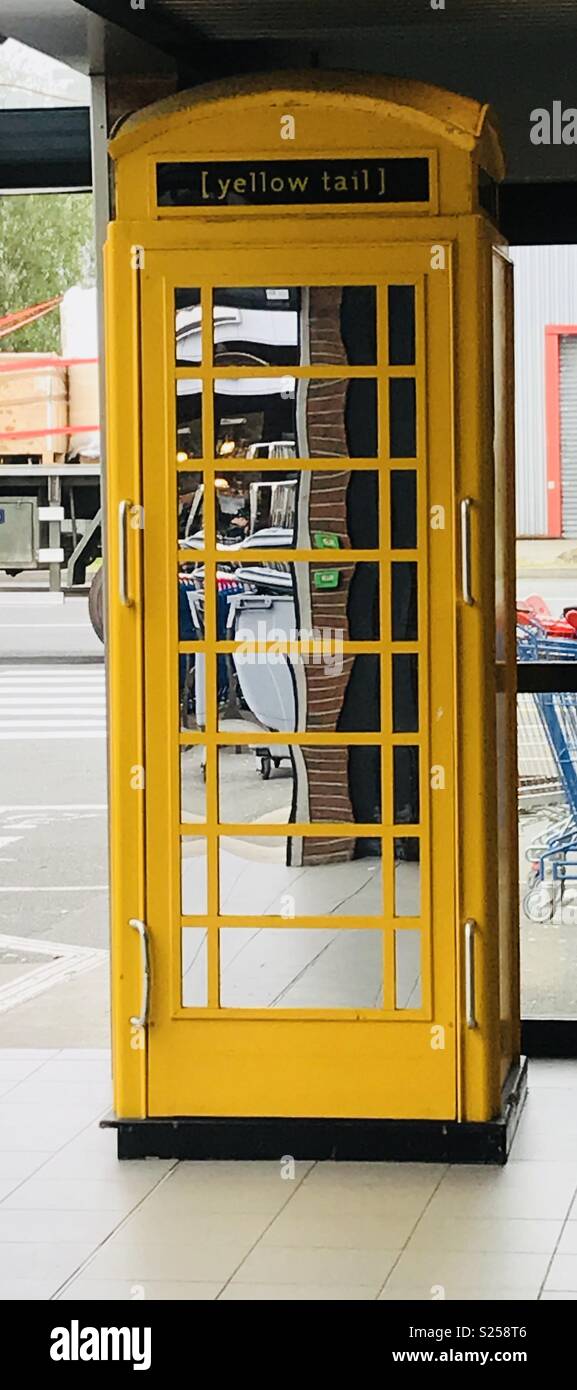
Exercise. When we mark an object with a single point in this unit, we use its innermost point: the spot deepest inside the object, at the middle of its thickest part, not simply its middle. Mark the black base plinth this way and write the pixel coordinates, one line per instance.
(415, 1141)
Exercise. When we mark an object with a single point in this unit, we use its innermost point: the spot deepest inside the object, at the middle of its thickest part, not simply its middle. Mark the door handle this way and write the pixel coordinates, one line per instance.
(470, 927)
(466, 582)
(124, 508)
(141, 1020)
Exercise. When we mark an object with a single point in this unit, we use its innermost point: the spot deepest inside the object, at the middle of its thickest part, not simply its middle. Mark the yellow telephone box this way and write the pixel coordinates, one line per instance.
(311, 641)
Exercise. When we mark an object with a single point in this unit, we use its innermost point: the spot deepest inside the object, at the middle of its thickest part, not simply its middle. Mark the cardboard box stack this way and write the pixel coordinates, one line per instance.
(33, 396)
(52, 410)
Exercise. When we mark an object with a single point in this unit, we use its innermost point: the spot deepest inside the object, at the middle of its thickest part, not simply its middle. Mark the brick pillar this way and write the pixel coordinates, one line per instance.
(324, 508)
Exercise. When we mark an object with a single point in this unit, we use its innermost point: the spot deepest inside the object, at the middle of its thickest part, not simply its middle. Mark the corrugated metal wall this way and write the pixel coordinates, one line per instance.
(545, 292)
(568, 412)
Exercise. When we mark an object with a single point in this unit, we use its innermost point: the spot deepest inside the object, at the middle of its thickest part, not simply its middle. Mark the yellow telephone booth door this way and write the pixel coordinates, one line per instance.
(298, 697)
(307, 880)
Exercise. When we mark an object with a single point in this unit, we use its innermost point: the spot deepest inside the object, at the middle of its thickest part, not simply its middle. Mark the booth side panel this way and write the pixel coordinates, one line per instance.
(125, 676)
(476, 830)
(506, 708)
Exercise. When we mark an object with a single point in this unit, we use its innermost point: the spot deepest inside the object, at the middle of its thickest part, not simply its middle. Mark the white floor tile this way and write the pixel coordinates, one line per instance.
(337, 1231)
(59, 1227)
(149, 1227)
(568, 1241)
(454, 1293)
(295, 1293)
(44, 1261)
(492, 1235)
(537, 1190)
(28, 1290)
(139, 1263)
(97, 1290)
(426, 1270)
(305, 1265)
(120, 1193)
(562, 1274)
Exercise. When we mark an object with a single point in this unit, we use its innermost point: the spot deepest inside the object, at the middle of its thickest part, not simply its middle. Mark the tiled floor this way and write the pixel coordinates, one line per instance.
(74, 1223)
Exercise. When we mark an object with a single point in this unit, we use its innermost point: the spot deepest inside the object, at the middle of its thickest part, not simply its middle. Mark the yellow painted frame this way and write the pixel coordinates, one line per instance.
(346, 115)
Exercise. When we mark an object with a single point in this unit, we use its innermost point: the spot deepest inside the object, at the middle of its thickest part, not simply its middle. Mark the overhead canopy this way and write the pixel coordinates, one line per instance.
(45, 149)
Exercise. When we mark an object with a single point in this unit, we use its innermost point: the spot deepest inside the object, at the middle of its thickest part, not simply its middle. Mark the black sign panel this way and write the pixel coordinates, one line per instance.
(279, 183)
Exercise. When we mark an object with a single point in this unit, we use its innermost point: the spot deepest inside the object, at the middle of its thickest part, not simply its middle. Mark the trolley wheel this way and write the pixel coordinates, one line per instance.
(539, 903)
(265, 766)
(96, 603)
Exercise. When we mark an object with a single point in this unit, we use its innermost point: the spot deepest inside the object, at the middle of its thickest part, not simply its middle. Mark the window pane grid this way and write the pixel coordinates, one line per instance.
(212, 739)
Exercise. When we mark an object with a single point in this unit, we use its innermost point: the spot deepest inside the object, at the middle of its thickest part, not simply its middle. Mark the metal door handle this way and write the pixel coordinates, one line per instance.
(470, 927)
(141, 1020)
(123, 509)
(466, 506)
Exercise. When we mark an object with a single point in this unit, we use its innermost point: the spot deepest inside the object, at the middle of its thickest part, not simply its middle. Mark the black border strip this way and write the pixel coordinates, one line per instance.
(416, 1141)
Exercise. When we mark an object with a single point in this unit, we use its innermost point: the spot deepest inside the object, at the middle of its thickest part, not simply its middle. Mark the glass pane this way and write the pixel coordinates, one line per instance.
(403, 509)
(406, 785)
(404, 601)
(323, 509)
(407, 877)
(194, 968)
(405, 694)
(188, 326)
(336, 601)
(289, 877)
(408, 984)
(188, 420)
(193, 784)
(403, 417)
(547, 759)
(290, 327)
(277, 784)
(192, 691)
(190, 510)
(401, 325)
(193, 875)
(300, 968)
(278, 417)
(191, 603)
(327, 691)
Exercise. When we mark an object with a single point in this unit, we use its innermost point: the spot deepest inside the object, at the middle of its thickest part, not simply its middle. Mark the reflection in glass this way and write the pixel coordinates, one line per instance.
(194, 968)
(406, 785)
(403, 509)
(188, 326)
(278, 783)
(278, 417)
(190, 510)
(188, 420)
(301, 968)
(402, 417)
(192, 691)
(407, 877)
(401, 307)
(193, 783)
(328, 509)
(404, 601)
(405, 693)
(194, 901)
(290, 327)
(287, 692)
(270, 876)
(408, 982)
(547, 760)
(336, 601)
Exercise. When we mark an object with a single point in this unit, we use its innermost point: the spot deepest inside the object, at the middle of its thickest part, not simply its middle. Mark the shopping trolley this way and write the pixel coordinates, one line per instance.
(548, 730)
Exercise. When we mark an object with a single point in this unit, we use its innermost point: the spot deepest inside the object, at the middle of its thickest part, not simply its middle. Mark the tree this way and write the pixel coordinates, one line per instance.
(46, 246)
